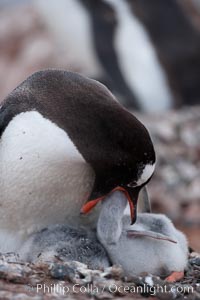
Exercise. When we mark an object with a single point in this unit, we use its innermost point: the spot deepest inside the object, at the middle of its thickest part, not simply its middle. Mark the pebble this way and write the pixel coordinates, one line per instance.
(176, 135)
(195, 261)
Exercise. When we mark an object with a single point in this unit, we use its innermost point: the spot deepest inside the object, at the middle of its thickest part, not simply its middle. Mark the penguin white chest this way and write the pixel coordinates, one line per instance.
(138, 60)
(44, 179)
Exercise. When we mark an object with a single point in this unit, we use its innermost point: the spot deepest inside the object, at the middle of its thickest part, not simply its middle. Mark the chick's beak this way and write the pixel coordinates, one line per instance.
(131, 195)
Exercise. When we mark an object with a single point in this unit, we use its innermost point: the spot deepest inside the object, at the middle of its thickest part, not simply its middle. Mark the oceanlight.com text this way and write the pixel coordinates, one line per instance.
(62, 289)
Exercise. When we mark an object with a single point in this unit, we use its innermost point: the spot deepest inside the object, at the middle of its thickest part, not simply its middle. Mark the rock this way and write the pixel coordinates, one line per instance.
(195, 261)
(62, 272)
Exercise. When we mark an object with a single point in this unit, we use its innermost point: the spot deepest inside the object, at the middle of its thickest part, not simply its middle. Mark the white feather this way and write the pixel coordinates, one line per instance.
(146, 174)
(44, 179)
(70, 23)
(138, 60)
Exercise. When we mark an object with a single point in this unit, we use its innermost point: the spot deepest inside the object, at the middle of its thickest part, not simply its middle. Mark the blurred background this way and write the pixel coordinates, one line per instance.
(147, 53)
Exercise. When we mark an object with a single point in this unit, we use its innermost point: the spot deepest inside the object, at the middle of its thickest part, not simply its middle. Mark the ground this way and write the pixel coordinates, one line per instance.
(73, 280)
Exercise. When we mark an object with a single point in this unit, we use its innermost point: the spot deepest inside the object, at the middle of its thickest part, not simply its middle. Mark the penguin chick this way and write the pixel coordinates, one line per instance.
(65, 243)
(68, 243)
(151, 245)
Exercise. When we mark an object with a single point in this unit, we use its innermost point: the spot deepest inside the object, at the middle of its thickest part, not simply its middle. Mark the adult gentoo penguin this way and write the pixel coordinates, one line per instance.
(65, 140)
(150, 63)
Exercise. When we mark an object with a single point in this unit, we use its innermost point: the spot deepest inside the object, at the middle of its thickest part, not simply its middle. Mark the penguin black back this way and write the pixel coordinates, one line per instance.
(111, 139)
(177, 43)
(104, 25)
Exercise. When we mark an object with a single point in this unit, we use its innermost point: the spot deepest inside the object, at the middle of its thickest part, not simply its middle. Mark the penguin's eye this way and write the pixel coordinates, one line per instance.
(132, 184)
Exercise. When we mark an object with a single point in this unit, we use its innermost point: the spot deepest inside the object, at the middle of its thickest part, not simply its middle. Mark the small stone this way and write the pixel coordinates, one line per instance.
(61, 272)
(195, 261)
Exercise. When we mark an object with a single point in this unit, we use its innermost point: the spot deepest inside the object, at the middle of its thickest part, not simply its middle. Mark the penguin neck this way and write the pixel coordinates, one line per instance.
(109, 225)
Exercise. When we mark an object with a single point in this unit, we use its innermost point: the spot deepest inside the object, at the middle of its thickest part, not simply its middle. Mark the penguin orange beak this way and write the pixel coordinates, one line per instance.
(131, 200)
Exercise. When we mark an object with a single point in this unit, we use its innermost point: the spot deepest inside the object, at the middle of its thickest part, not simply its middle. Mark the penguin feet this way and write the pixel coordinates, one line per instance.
(175, 276)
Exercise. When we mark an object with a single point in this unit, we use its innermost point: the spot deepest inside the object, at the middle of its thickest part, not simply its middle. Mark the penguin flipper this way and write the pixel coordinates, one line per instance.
(150, 234)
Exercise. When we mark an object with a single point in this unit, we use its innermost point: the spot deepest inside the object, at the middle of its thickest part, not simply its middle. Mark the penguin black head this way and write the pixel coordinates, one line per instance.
(110, 139)
(128, 176)
(122, 155)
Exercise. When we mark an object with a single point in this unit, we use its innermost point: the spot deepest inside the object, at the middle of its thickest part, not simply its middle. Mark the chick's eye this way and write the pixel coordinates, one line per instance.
(132, 184)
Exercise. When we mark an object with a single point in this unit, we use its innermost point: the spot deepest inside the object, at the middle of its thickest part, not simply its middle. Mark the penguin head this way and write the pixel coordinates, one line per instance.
(129, 185)
(128, 162)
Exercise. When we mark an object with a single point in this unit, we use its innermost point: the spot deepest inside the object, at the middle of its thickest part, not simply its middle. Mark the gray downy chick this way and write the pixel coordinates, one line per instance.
(71, 243)
(151, 245)
(66, 243)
